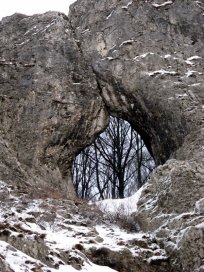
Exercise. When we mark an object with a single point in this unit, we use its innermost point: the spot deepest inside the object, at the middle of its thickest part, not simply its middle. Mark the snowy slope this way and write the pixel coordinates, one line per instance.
(49, 235)
(127, 205)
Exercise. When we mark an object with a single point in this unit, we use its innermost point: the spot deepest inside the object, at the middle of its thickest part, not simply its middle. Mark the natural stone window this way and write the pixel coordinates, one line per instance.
(116, 165)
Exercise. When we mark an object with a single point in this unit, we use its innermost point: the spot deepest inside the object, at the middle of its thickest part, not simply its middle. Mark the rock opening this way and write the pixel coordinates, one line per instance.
(116, 165)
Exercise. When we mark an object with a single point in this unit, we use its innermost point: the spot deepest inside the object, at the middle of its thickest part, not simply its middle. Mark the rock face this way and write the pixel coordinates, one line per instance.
(148, 59)
(50, 103)
(61, 77)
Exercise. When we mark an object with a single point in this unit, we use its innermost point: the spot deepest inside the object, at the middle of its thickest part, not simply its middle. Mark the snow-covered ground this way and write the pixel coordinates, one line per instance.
(49, 235)
(126, 206)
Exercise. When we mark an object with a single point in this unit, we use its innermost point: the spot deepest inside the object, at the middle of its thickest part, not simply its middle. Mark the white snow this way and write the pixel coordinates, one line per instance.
(86, 30)
(115, 234)
(194, 58)
(16, 259)
(181, 95)
(62, 230)
(126, 42)
(191, 72)
(21, 262)
(201, 225)
(61, 239)
(190, 60)
(162, 5)
(24, 42)
(127, 205)
(29, 30)
(49, 25)
(126, 7)
(110, 15)
(137, 58)
(198, 205)
(108, 58)
(195, 84)
(161, 72)
(167, 56)
(154, 258)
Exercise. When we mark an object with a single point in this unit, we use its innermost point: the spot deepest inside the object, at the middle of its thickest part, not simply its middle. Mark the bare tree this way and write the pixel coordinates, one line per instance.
(114, 166)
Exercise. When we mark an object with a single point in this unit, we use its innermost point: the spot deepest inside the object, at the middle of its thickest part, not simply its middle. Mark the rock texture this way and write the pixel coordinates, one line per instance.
(44, 235)
(61, 77)
(148, 58)
(50, 103)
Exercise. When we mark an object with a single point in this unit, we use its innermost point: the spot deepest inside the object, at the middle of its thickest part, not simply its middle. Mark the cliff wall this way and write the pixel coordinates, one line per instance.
(62, 77)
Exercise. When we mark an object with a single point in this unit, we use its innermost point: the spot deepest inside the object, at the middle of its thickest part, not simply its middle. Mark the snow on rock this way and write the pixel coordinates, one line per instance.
(142, 56)
(58, 235)
(108, 58)
(161, 72)
(30, 30)
(85, 31)
(162, 4)
(126, 7)
(108, 17)
(154, 259)
(190, 73)
(199, 206)
(126, 42)
(190, 60)
(18, 261)
(21, 262)
(167, 56)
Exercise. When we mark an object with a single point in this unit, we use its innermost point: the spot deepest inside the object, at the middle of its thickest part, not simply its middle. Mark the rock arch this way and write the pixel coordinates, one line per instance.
(62, 76)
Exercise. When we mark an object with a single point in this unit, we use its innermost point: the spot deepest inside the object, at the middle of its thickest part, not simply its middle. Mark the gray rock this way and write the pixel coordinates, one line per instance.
(148, 58)
(140, 60)
(50, 103)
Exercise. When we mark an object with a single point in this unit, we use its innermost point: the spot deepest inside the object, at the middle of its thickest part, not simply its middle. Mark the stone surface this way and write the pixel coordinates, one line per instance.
(50, 103)
(142, 56)
(148, 58)
(61, 77)
(48, 233)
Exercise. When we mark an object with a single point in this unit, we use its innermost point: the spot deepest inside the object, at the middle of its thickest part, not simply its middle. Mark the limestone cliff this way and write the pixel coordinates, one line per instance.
(61, 77)
(50, 103)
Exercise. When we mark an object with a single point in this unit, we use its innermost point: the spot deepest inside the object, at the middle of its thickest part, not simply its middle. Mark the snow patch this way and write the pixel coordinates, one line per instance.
(126, 42)
(191, 73)
(167, 56)
(162, 5)
(137, 58)
(195, 84)
(108, 58)
(200, 226)
(18, 261)
(161, 72)
(85, 31)
(126, 7)
(190, 60)
(156, 258)
(181, 95)
(29, 30)
(108, 17)
(127, 205)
